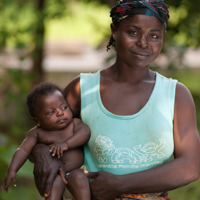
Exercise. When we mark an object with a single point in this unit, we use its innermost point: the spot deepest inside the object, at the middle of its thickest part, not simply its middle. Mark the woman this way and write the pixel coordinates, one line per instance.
(137, 117)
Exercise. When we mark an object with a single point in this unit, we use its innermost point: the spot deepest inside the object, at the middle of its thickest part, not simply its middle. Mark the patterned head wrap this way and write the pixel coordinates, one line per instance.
(128, 8)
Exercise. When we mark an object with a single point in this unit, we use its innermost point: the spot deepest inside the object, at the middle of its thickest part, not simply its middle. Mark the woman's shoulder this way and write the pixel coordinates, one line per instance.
(184, 103)
(183, 93)
(72, 95)
(165, 78)
(72, 86)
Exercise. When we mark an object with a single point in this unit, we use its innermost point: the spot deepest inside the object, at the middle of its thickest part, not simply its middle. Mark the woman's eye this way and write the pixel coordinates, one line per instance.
(133, 33)
(154, 36)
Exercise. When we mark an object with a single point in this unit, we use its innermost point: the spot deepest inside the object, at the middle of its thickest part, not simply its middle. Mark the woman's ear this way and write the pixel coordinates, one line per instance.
(36, 121)
(165, 32)
(113, 30)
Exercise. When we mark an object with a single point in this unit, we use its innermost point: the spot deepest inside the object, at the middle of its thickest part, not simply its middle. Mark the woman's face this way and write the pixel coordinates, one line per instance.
(138, 40)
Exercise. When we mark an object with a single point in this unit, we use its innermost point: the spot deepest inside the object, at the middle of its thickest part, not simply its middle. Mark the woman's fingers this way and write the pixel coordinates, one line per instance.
(48, 184)
(91, 175)
(62, 174)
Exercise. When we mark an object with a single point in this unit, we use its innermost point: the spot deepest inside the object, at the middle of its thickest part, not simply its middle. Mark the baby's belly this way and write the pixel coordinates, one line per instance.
(73, 159)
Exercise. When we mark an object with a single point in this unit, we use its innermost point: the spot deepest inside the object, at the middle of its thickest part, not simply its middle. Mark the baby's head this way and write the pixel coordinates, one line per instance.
(48, 107)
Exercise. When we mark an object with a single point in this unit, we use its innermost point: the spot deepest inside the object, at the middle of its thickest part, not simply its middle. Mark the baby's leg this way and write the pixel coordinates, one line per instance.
(78, 185)
(57, 189)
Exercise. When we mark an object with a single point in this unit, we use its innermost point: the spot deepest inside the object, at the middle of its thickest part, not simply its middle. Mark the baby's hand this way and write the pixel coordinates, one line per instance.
(58, 149)
(10, 176)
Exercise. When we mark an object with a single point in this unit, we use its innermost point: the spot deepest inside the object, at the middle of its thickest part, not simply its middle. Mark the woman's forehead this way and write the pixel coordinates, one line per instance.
(140, 20)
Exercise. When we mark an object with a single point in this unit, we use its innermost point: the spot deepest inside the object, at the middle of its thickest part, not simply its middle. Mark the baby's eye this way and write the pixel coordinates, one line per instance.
(64, 107)
(51, 112)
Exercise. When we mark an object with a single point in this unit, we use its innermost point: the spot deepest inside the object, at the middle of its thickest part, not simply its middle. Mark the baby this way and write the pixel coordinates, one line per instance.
(55, 127)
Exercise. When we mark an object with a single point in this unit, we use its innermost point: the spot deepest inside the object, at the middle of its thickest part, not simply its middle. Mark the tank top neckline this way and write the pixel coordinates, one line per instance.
(107, 112)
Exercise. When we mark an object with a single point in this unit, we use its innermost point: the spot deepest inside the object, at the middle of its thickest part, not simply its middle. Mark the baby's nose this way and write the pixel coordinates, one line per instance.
(60, 111)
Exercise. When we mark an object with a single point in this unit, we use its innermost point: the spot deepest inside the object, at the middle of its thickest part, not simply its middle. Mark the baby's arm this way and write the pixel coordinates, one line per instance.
(81, 134)
(19, 158)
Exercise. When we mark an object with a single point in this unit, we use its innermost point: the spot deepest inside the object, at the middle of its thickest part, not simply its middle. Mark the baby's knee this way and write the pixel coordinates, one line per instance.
(77, 177)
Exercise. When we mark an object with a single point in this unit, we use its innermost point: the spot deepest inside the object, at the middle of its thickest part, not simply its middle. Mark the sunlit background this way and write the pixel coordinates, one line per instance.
(55, 40)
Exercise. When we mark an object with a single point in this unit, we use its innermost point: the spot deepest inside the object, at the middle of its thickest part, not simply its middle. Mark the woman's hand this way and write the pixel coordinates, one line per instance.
(45, 169)
(58, 149)
(105, 185)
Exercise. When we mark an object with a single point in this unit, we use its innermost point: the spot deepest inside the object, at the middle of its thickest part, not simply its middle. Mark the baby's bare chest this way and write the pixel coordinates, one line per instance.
(50, 137)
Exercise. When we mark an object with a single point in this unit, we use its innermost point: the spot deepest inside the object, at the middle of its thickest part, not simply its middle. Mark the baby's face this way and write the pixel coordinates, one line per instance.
(53, 112)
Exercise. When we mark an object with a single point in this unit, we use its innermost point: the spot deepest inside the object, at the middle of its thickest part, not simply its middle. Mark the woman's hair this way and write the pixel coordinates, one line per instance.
(41, 89)
(128, 8)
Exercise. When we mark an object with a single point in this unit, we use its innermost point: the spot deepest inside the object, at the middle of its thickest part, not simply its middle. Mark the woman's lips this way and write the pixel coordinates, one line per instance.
(140, 55)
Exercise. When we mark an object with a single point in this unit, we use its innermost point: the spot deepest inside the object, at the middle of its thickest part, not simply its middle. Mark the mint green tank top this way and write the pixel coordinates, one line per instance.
(126, 144)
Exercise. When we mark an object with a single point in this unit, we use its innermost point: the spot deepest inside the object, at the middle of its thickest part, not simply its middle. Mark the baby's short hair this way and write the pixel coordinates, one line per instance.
(41, 89)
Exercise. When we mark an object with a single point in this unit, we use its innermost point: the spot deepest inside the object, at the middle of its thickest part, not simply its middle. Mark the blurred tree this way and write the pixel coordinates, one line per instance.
(111, 3)
(184, 23)
(22, 26)
(22, 23)
(38, 38)
(44, 10)
(22, 29)
(183, 30)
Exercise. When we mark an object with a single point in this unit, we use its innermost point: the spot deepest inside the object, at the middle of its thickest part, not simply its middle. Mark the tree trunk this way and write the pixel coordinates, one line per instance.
(38, 40)
(111, 3)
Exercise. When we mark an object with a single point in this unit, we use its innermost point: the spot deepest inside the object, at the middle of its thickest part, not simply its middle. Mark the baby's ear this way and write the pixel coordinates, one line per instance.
(36, 121)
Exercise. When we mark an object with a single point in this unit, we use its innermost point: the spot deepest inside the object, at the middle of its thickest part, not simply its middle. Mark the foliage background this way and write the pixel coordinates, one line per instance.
(26, 25)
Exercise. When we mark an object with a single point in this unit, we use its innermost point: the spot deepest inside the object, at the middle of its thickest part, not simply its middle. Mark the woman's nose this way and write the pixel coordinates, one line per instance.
(142, 42)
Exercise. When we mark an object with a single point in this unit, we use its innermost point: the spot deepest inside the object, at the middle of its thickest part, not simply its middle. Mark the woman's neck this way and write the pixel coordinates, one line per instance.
(128, 74)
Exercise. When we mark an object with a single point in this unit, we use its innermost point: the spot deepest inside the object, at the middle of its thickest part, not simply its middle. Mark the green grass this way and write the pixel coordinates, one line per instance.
(89, 22)
(189, 192)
